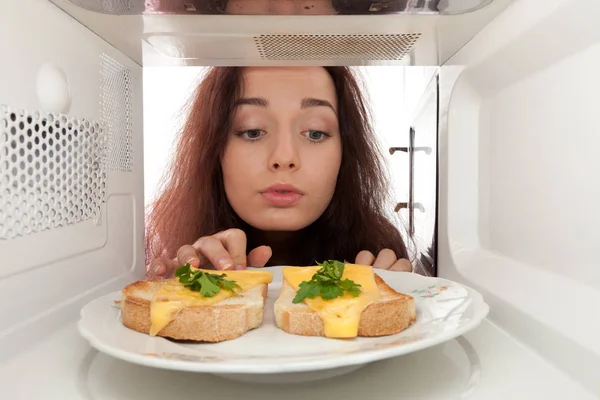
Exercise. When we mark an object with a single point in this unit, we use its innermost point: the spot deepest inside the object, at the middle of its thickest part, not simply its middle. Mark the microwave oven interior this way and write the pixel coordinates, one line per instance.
(505, 125)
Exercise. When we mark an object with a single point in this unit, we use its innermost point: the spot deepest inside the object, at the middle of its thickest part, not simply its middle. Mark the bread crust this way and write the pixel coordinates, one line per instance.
(216, 323)
(390, 315)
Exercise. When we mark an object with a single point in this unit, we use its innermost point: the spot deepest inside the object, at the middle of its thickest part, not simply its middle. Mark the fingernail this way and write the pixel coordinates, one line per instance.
(158, 269)
(225, 263)
(190, 260)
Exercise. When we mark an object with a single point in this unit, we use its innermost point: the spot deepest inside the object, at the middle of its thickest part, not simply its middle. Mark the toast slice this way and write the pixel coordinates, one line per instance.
(392, 313)
(225, 320)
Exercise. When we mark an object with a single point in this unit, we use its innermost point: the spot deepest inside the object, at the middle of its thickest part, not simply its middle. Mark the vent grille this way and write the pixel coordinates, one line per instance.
(119, 6)
(335, 47)
(52, 171)
(107, 6)
(115, 112)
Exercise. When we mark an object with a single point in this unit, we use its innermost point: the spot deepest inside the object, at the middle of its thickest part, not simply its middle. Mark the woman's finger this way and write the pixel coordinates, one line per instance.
(188, 255)
(385, 259)
(161, 267)
(214, 251)
(259, 256)
(234, 241)
(402, 265)
(156, 268)
(365, 257)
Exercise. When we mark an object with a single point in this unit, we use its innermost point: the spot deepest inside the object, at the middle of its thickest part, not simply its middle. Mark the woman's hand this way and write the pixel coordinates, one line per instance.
(225, 250)
(386, 259)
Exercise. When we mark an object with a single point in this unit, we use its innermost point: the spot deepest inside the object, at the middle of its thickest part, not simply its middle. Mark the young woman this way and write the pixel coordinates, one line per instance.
(274, 166)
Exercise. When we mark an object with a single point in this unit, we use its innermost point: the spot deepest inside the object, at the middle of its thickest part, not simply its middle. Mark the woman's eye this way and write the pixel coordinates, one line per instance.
(316, 136)
(252, 134)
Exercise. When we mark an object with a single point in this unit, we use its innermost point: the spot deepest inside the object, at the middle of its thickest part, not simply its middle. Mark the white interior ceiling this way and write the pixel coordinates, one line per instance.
(441, 36)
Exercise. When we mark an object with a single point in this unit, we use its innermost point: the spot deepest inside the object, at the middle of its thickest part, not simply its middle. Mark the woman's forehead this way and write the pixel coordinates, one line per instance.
(265, 82)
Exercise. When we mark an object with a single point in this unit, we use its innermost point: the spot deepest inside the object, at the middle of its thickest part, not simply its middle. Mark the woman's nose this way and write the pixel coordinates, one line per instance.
(284, 154)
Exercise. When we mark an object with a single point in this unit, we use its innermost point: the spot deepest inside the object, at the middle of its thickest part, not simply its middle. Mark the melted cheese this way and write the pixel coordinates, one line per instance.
(340, 316)
(173, 296)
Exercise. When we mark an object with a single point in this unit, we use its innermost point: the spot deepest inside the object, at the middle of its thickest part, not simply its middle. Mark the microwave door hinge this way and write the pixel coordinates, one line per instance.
(410, 204)
(426, 150)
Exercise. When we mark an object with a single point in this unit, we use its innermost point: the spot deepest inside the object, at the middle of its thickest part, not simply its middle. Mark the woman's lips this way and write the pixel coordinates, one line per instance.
(282, 195)
(281, 199)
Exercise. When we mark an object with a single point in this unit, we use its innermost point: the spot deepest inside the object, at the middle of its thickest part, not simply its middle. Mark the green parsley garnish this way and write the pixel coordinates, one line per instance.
(327, 283)
(207, 284)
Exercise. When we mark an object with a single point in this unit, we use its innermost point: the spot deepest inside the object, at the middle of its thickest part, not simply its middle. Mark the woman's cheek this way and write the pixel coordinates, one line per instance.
(242, 165)
(233, 168)
(326, 167)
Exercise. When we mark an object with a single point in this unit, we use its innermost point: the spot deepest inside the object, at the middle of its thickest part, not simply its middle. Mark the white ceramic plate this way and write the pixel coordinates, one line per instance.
(445, 310)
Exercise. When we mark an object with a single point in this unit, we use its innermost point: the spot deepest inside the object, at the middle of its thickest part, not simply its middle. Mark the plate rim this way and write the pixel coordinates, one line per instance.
(291, 365)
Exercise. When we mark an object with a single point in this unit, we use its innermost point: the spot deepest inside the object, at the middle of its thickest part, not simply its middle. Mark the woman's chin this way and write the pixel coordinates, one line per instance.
(288, 223)
(280, 226)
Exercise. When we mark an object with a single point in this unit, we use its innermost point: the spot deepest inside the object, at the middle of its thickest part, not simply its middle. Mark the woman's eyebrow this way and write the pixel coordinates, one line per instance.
(310, 102)
(252, 101)
(305, 103)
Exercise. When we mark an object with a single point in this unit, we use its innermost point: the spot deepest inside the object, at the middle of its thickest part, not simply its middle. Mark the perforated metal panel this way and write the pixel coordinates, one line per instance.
(109, 6)
(52, 171)
(335, 47)
(115, 112)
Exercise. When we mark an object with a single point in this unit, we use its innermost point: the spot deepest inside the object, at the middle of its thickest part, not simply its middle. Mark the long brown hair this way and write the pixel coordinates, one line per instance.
(193, 201)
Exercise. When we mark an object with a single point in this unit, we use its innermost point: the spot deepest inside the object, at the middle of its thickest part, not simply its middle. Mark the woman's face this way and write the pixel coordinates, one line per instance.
(284, 151)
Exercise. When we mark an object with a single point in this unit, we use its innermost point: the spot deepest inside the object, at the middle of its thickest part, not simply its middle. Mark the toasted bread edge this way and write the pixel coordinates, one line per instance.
(382, 318)
(214, 323)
